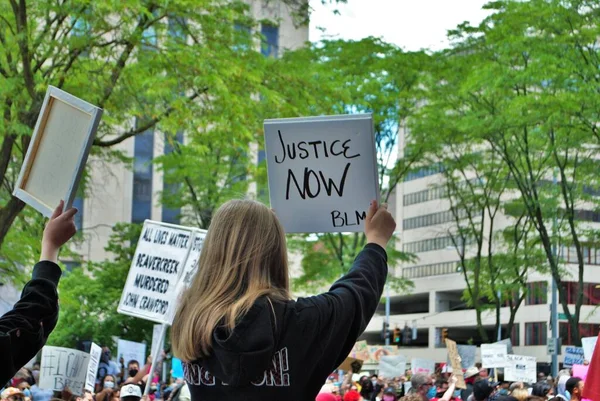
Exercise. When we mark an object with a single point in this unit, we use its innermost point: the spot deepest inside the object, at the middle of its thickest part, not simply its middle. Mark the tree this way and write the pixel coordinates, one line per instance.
(89, 298)
(527, 91)
(147, 63)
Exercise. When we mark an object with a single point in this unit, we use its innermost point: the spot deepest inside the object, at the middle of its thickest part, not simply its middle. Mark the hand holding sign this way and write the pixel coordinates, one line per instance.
(379, 224)
(58, 231)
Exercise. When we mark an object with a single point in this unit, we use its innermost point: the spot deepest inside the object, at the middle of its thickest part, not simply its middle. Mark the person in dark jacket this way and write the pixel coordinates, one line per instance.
(239, 333)
(25, 329)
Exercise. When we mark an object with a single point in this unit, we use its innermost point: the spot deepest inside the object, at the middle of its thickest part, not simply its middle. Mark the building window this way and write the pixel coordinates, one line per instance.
(536, 333)
(70, 266)
(177, 27)
(171, 215)
(270, 41)
(262, 155)
(433, 244)
(590, 255)
(537, 293)
(591, 293)
(424, 196)
(78, 204)
(143, 153)
(432, 219)
(424, 172)
(435, 269)
(585, 330)
(243, 37)
(515, 336)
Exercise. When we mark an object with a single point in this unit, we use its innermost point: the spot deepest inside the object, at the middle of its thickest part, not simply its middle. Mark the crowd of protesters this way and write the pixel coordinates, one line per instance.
(480, 386)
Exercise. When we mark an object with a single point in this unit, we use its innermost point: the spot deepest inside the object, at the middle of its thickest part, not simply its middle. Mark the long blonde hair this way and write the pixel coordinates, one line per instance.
(244, 257)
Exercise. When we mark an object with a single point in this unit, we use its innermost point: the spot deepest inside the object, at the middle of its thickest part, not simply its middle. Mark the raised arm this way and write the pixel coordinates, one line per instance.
(25, 329)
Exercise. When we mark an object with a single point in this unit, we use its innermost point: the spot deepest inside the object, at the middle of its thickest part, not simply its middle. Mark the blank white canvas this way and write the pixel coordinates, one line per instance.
(58, 154)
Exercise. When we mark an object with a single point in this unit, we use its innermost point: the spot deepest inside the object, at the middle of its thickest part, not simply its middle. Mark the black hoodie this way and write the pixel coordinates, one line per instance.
(25, 329)
(286, 352)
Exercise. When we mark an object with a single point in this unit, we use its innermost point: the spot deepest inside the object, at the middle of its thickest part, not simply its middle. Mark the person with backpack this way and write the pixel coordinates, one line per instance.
(238, 331)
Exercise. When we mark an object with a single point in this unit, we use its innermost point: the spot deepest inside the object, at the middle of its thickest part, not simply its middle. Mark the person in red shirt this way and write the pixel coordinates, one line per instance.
(352, 395)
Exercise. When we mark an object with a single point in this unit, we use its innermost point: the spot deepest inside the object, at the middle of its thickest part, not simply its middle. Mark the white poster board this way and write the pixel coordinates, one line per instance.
(520, 368)
(573, 356)
(493, 355)
(157, 339)
(157, 265)
(425, 366)
(59, 148)
(61, 367)
(189, 269)
(322, 172)
(391, 366)
(92, 371)
(588, 344)
(131, 350)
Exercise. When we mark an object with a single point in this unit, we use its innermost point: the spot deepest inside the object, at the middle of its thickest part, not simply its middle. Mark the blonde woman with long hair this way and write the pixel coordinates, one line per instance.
(239, 333)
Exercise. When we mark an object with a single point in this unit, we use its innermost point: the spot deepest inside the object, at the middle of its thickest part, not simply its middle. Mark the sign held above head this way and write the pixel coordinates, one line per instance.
(59, 148)
(322, 171)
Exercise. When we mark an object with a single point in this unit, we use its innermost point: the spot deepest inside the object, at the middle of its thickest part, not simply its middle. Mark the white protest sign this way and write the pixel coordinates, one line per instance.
(493, 355)
(322, 172)
(156, 267)
(573, 356)
(588, 344)
(520, 368)
(156, 338)
(62, 367)
(90, 379)
(391, 366)
(131, 351)
(189, 269)
(425, 366)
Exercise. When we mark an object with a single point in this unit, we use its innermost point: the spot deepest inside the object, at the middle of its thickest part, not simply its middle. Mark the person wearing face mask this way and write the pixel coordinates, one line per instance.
(109, 382)
(133, 367)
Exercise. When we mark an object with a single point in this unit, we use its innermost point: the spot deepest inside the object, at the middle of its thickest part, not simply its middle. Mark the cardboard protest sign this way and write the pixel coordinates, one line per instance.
(377, 351)
(189, 269)
(92, 371)
(65, 367)
(322, 172)
(391, 366)
(131, 351)
(573, 356)
(425, 366)
(351, 365)
(59, 148)
(493, 355)
(157, 265)
(520, 368)
(588, 344)
(455, 360)
(360, 351)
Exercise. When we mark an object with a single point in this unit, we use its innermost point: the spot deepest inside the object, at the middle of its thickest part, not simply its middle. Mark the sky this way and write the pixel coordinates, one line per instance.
(410, 24)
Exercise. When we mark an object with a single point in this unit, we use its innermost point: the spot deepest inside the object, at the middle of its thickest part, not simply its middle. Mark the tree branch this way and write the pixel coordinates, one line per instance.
(150, 124)
(20, 12)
